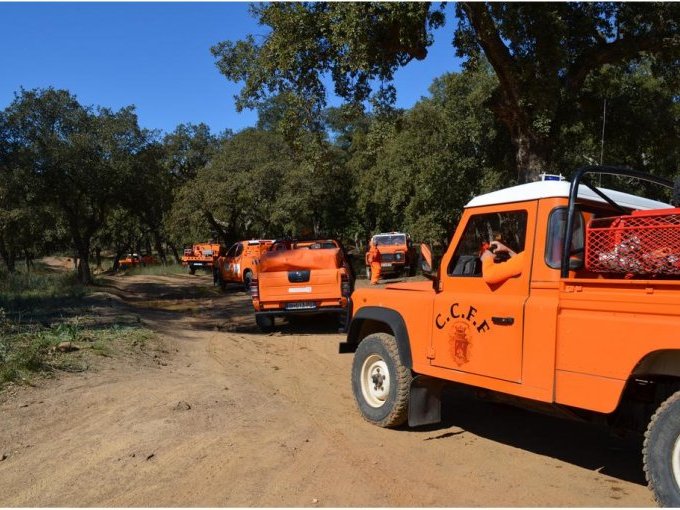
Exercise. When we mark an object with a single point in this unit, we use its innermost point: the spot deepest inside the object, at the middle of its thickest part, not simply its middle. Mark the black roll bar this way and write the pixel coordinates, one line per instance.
(573, 195)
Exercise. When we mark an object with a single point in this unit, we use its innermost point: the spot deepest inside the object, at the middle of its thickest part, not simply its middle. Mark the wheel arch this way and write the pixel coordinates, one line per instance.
(375, 319)
(665, 362)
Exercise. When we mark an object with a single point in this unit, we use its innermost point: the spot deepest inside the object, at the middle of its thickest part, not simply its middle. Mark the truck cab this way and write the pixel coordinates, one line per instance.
(200, 256)
(397, 254)
(562, 333)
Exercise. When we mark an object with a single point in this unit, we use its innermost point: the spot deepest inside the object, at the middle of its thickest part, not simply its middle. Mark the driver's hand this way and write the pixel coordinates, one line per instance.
(498, 247)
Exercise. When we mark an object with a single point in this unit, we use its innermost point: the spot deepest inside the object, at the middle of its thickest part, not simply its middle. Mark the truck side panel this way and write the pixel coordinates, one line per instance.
(604, 328)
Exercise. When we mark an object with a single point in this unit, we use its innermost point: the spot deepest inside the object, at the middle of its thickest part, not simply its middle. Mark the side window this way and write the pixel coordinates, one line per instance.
(232, 251)
(508, 227)
(557, 225)
(239, 250)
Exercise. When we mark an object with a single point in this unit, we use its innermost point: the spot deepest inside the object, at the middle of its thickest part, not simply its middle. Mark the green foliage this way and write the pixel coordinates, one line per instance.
(28, 289)
(29, 349)
(541, 53)
(430, 163)
(544, 53)
(79, 160)
(353, 42)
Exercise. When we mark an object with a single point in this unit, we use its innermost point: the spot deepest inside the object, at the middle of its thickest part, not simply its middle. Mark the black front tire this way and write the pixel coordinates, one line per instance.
(661, 453)
(265, 322)
(380, 382)
(191, 269)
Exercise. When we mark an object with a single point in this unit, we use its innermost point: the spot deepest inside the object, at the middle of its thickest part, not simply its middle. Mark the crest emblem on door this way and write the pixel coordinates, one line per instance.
(459, 342)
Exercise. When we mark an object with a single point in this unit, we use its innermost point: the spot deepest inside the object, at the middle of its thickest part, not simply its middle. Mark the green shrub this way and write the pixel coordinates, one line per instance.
(31, 348)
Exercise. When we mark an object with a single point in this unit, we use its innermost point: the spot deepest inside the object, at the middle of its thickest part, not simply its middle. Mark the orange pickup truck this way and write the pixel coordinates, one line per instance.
(397, 254)
(200, 255)
(135, 260)
(302, 277)
(240, 263)
(584, 323)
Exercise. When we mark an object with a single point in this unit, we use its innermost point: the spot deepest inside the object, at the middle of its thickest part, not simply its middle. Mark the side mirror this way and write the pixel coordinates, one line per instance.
(426, 260)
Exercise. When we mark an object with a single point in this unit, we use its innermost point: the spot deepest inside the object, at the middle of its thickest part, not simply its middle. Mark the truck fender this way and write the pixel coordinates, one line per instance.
(375, 319)
(665, 362)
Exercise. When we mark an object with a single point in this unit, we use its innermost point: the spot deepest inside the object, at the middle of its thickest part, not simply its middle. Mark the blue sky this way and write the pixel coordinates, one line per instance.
(155, 56)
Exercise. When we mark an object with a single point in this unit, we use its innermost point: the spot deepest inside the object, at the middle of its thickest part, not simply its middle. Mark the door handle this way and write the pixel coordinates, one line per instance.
(503, 321)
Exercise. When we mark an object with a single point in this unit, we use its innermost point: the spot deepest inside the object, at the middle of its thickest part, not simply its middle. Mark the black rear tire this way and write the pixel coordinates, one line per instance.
(247, 280)
(265, 322)
(380, 382)
(661, 453)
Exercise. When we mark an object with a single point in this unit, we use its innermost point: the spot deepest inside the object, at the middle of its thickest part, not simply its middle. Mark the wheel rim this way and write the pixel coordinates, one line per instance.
(675, 461)
(375, 381)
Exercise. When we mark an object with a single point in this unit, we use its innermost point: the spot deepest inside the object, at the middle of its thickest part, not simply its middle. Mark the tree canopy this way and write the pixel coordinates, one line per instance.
(541, 53)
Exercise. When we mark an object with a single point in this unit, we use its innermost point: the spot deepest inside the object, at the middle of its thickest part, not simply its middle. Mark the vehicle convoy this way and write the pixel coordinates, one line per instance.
(587, 329)
(239, 264)
(200, 256)
(302, 277)
(397, 254)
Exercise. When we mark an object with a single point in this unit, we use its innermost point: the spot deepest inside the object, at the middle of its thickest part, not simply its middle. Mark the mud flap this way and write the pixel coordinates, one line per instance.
(425, 405)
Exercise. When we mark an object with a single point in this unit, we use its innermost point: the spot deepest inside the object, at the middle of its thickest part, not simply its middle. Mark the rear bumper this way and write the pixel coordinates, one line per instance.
(392, 267)
(282, 312)
(345, 312)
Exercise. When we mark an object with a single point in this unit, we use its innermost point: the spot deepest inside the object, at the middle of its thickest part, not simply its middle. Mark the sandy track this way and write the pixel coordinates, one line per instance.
(226, 416)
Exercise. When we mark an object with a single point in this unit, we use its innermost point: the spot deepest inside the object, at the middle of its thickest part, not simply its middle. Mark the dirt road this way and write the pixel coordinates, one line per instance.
(222, 415)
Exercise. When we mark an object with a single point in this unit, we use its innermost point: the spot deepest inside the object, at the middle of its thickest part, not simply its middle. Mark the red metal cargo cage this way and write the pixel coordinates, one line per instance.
(645, 242)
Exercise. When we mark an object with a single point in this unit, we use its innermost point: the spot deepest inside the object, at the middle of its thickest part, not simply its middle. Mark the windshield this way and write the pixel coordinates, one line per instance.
(390, 240)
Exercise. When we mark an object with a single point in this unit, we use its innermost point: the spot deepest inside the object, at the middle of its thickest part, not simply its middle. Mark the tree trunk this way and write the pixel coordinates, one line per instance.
(159, 248)
(8, 257)
(532, 157)
(175, 253)
(84, 272)
(28, 259)
(98, 257)
(116, 259)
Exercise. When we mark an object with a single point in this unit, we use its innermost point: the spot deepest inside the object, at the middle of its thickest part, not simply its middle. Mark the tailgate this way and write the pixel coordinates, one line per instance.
(299, 285)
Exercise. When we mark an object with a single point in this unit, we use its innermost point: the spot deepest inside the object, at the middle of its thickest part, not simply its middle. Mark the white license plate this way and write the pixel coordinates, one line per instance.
(300, 290)
(386, 264)
(301, 305)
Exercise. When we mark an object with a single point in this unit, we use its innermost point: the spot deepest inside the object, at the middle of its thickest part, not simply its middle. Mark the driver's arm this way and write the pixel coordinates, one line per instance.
(493, 272)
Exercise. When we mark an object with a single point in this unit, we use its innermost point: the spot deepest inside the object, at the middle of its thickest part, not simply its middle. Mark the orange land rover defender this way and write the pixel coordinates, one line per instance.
(397, 254)
(200, 255)
(239, 264)
(302, 277)
(587, 327)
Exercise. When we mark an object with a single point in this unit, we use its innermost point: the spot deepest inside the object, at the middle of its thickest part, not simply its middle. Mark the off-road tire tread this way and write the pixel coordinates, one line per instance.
(399, 413)
(652, 484)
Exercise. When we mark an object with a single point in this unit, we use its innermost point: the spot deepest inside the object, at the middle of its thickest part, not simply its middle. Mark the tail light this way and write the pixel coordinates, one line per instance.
(345, 288)
(254, 289)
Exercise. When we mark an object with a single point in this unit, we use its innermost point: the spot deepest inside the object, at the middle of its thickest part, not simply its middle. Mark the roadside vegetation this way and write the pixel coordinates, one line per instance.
(46, 326)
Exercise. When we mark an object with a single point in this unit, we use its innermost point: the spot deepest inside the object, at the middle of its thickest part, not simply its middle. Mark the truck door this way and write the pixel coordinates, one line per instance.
(229, 262)
(478, 328)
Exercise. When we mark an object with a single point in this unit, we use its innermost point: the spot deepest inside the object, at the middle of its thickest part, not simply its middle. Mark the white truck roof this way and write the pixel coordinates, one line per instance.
(550, 189)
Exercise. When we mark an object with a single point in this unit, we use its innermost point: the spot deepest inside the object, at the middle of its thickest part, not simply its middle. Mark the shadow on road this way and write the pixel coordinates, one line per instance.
(582, 444)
